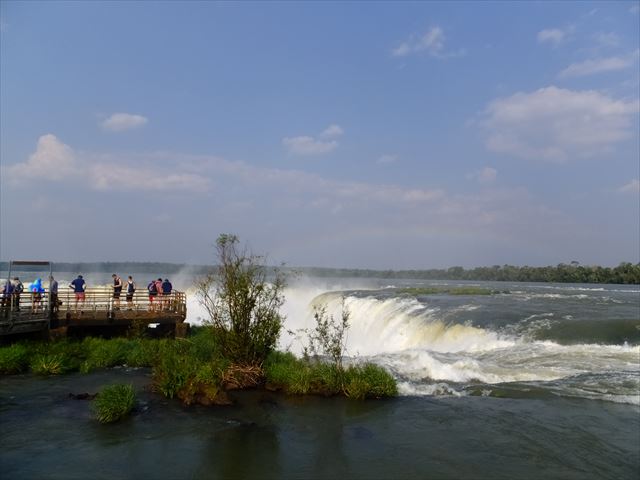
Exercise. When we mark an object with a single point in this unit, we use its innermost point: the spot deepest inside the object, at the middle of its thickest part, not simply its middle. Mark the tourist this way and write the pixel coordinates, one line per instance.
(153, 292)
(79, 286)
(117, 290)
(7, 291)
(18, 288)
(53, 294)
(131, 289)
(36, 294)
(166, 291)
(159, 290)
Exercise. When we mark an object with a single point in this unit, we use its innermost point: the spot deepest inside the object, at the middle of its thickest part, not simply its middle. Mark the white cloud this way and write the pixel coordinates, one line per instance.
(554, 36)
(119, 122)
(632, 187)
(332, 131)
(52, 160)
(556, 124)
(486, 175)
(108, 177)
(431, 42)
(610, 39)
(305, 145)
(308, 145)
(387, 159)
(401, 50)
(55, 161)
(600, 65)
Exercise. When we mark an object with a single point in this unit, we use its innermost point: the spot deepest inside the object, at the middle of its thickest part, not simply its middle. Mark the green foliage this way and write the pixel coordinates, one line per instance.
(143, 352)
(243, 306)
(285, 371)
(14, 359)
(369, 381)
(329, 336)
(52, 364)
(173, 368)
(104, 353)
(300, 376)
(114, 402)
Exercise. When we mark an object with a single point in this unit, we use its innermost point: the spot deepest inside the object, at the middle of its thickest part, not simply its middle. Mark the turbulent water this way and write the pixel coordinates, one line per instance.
(528, 340)
(523, 340)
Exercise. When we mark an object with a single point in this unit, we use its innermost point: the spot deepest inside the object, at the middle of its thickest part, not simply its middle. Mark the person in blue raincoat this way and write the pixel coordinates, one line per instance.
(36, 294)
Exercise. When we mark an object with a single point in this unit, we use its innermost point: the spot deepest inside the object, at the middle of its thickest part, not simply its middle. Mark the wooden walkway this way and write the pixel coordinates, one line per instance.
(26, 313)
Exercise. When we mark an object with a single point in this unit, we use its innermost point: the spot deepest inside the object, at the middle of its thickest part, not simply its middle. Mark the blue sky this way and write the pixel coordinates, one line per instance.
(376, 135)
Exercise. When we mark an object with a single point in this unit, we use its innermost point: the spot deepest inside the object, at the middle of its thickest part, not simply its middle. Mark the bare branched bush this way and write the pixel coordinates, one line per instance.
(329, 337)
(243, 300)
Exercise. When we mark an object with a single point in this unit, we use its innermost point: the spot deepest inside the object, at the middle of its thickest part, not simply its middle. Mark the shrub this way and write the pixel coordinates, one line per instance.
(173, 368)
(114, 402)
(369, 381)
(329, 336)
(142, 352)
(104, 353)
(48, 364)
(14, 359)
(243, 307)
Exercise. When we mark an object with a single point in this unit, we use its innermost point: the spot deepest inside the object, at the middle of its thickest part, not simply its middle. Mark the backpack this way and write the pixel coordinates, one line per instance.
(152, 287)
(19, 288)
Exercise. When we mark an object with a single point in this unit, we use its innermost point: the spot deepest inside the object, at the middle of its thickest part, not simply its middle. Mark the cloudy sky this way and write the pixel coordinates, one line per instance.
(378, 135)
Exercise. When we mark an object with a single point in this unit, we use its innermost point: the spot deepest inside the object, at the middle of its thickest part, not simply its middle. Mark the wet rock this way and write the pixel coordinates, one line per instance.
(83, 396)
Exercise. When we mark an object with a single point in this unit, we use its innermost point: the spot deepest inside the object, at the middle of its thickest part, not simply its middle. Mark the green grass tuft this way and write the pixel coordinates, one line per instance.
(298, 377)
(52, 364)
(14, 359)
(114, 402)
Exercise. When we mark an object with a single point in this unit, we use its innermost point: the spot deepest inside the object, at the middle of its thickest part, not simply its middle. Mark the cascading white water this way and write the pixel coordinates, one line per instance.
(433, 351)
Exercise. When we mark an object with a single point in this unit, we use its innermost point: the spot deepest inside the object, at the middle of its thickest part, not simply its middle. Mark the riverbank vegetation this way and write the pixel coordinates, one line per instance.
(416, 291)
(234, 350)
(193, 370)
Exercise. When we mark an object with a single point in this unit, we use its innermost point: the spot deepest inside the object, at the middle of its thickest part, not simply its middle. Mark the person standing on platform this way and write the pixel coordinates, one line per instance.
(117, 290)
(166, 292)
(53, 294)
(131, 289)
(7, 292)
(79, 286)
(18, 288)
(153, 292)
(36, 295)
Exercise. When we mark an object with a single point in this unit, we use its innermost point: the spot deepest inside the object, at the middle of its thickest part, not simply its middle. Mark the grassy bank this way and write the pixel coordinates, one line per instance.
(193, 370)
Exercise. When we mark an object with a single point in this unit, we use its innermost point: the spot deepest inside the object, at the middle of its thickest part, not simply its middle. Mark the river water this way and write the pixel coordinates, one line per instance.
(542, 381)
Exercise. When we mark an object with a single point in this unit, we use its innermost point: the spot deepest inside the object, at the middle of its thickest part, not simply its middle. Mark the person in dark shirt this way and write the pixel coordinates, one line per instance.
(53, 294)
(79, 286)
(131, 289)
(7, 291)
(117, 290)
(166, 291)
(18, 288)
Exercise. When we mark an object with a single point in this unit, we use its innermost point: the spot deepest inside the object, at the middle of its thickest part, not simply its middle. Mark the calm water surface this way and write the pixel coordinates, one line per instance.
(47, 434)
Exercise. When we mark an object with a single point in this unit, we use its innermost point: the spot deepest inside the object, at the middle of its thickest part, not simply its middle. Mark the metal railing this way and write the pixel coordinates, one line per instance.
(95, 299)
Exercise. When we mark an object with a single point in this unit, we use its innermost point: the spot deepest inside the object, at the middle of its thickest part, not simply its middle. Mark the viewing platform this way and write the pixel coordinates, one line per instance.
(30, 312)
(26, 313)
